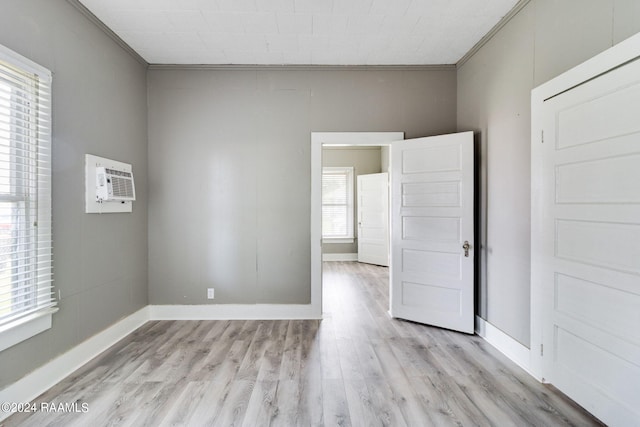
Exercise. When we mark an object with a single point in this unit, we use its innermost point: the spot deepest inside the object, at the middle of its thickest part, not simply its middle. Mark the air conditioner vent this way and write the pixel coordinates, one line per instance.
(114, 185)
(118, 173)
(122, 187)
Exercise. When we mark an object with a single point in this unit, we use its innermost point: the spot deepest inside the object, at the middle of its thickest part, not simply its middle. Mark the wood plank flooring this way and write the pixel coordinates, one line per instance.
(356, 367)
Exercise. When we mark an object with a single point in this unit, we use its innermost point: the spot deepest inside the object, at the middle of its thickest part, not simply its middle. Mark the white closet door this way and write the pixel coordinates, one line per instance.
(586, 242)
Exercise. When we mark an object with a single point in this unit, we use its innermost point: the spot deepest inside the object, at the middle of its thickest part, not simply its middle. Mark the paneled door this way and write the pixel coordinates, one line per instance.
(586, 240)
(373, 218)
(432, 228)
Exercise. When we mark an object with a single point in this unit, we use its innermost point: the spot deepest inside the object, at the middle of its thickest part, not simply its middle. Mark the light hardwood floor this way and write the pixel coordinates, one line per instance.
(355, 367)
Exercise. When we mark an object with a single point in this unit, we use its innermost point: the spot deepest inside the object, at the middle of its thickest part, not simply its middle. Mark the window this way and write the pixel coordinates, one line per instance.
(337, 203)
(26, 292)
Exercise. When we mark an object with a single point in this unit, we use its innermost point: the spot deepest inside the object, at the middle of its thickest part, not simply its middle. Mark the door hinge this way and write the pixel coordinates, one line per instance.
(541, 349)
(542, 136)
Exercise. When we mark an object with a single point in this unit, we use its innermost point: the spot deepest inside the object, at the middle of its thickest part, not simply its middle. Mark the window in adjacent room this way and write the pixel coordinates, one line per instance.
(26, 293)
(337, 204)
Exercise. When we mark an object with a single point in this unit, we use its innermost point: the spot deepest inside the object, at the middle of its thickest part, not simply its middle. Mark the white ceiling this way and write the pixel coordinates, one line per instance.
(307, 32)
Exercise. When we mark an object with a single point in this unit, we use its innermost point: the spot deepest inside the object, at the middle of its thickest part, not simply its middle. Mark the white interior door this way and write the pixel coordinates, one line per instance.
(586, 242)
(373, 218)
(432, 231)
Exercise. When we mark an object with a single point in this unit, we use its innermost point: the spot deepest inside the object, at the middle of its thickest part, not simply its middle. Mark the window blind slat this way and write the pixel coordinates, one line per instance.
(43, 305)
(23, 103)
(26, 307)
(22, 100)
(19, 260)
(19, 77)
(23, 287)
(8, 144)
(23, 291)
(24, 114)
(30, 292)
(23, 121)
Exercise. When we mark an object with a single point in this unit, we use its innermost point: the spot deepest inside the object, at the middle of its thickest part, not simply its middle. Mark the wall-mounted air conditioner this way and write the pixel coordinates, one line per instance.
(109, 185)
(114, 185)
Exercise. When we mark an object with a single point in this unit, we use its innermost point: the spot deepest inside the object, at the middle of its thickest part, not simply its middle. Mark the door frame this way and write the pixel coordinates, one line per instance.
(318, 140)
(616, 56)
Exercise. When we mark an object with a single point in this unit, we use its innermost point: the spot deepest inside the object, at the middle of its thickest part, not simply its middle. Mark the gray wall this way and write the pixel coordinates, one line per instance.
(543, 40)
(229, 176)
(364, 160)
(99, 107)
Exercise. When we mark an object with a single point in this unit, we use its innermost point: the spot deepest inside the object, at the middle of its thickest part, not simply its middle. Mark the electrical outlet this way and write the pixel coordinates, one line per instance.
(210, 293)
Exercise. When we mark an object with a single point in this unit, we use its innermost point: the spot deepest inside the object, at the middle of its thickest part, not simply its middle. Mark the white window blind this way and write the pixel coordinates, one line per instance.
(26, 287)
(337, 203)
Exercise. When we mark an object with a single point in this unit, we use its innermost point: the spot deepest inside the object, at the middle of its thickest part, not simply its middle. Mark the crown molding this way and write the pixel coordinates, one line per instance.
(484, 40)
(93, 18)
(230, 67)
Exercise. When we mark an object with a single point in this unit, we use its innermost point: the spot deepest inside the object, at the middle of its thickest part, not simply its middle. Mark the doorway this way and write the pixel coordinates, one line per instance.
(318, 140)
(432, 225)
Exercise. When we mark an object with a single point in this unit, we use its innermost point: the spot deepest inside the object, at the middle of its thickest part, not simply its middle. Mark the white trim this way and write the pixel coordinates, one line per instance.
(316, 226)
(317, 141)
(25, 327)
(334, 240)
(20, 61)
(233, 312)
(34, 384)
(344, 139)
(516, 352)
(340, 257)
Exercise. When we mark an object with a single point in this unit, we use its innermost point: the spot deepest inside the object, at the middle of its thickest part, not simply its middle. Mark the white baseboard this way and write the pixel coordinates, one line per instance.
(37, 382)
(233, 312)
(339, 257)
(508, 346)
